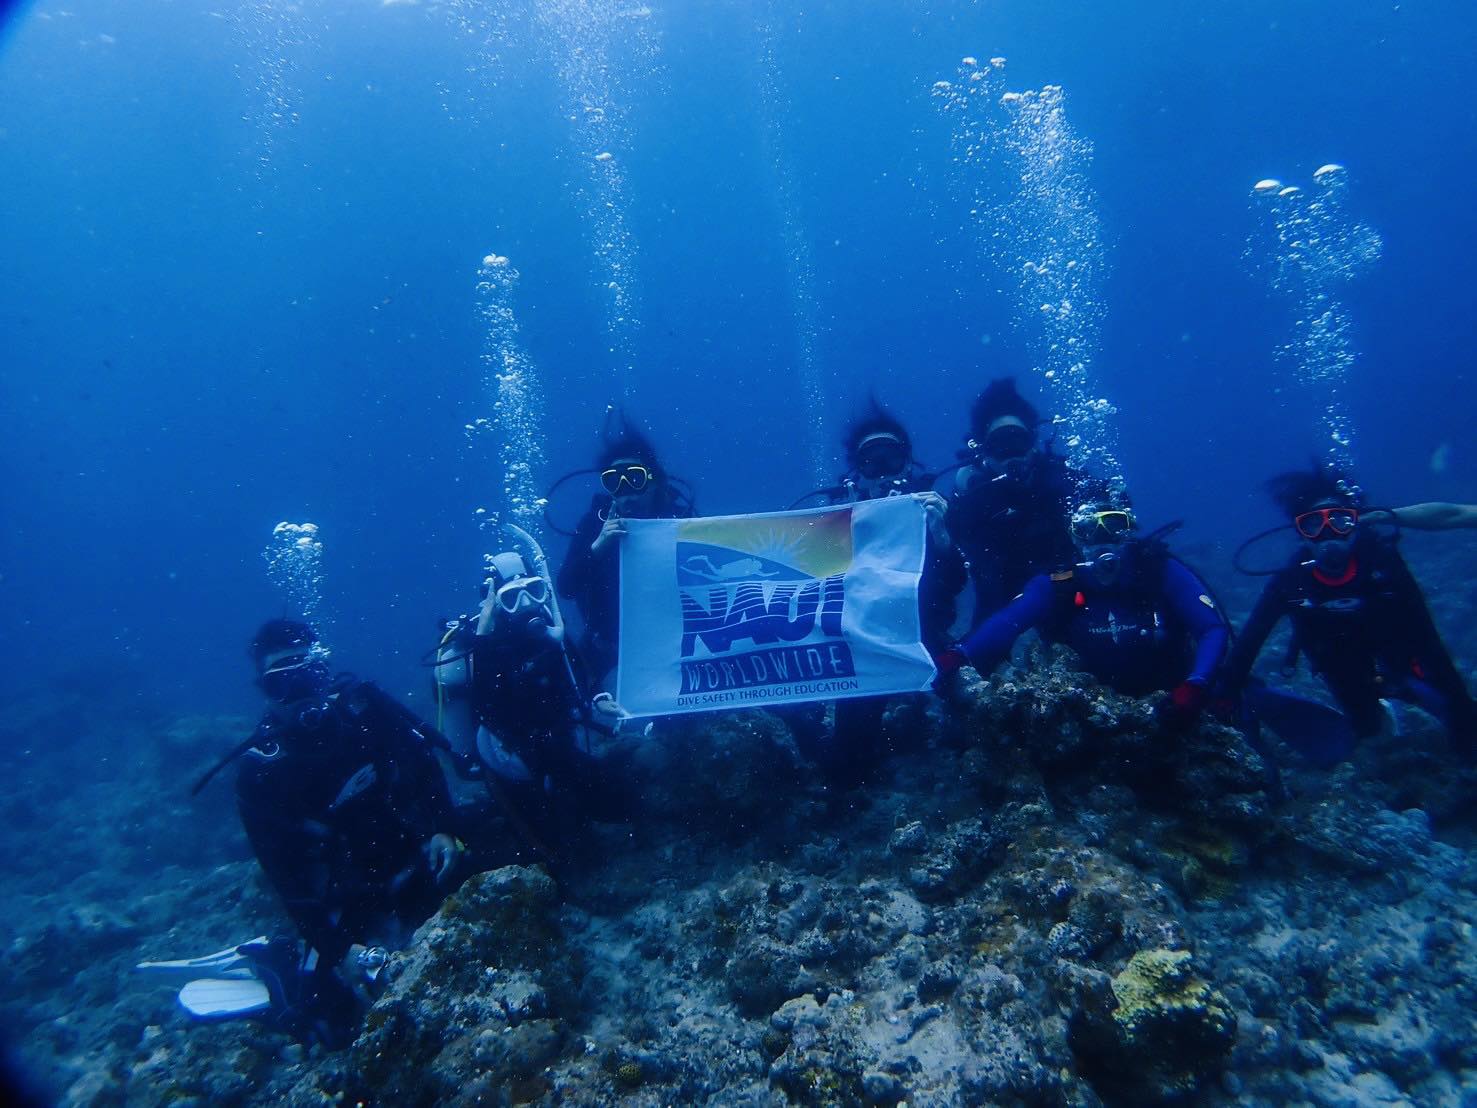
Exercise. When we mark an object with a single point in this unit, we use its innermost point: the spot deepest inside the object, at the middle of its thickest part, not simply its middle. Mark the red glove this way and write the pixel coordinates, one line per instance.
(950, 661)
(1184, 704)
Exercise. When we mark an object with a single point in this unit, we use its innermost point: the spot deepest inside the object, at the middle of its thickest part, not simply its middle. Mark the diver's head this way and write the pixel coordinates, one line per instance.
(1323, 505)
(629, 471)
(879, 451)
(1101, 529)
(289, 660)
(1002, 423)
(524, 600)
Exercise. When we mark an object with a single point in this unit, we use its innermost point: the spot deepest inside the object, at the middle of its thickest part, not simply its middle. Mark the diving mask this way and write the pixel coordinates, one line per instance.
(518, 591)
(632, 476)
(1091, 526)
(1007, 437)
(1320, 523)
(524, 594)
(293, 673)
(880, 455)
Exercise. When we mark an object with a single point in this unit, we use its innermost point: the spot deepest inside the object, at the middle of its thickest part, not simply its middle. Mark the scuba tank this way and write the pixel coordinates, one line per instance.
(451, 677)
(451, 660)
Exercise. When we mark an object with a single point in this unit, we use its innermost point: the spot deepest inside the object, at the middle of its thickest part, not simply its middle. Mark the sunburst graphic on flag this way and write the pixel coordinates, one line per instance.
(817, 544)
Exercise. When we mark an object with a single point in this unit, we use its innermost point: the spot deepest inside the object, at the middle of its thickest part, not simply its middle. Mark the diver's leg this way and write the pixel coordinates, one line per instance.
(858, 743)
(1354, 688)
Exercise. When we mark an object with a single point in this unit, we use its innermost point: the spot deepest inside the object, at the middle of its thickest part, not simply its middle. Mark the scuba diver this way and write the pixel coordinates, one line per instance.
(347, 810)
(880, 461)
(635, 486)
(1012, 499)
(1138, 618)
(1357, 613)
(512, 675)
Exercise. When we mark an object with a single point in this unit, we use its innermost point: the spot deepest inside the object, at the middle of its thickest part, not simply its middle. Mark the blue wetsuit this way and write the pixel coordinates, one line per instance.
(1153, 628)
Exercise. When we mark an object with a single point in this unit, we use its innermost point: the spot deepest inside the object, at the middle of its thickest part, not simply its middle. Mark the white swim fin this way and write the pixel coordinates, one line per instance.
(226, 964)
(216, 998)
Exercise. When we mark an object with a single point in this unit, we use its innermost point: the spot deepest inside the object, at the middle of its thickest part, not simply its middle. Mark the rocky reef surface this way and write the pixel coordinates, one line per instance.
(1042, 899)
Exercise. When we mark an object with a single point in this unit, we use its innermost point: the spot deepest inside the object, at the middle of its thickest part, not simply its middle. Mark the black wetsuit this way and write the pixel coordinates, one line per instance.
(527, 696)
(592, 580)
(1367, 634)
(858, 742)
(338, 796)
(1012, 525)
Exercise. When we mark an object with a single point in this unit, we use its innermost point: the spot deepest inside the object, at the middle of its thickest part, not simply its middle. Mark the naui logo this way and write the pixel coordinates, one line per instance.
(762, 604)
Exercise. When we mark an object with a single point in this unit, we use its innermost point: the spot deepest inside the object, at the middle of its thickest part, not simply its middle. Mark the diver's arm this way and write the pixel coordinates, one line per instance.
(1192, 604)
(1436, 515)
(945, 569)
(411, 743)
(282, 854)
(935, 507)
(1270, 607)
(486, 616)
(611, 533)
(992, 643)
(426, 805)
(1434, 660)
(573, 578)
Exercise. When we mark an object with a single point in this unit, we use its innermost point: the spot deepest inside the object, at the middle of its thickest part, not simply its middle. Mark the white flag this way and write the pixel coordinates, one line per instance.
(778, 608)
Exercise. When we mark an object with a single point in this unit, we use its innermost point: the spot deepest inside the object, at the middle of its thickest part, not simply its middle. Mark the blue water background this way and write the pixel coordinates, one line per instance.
(193, 348)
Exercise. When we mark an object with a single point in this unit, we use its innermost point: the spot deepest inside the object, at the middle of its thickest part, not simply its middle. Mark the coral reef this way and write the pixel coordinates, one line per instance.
(1049, 901)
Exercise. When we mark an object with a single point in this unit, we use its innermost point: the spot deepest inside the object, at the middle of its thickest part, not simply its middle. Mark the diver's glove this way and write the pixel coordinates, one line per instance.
(1182, 707)
(949, 661)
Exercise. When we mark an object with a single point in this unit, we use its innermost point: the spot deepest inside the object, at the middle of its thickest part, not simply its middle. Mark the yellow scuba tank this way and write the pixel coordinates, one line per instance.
(451, 672)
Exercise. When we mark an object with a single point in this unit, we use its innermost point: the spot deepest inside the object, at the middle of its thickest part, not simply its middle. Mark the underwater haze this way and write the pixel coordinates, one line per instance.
(301, 300)
(241, 247)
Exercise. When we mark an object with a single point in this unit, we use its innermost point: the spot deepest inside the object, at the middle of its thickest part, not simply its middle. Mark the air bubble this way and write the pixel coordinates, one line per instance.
(1309, 246)
(513, 389)
(586, 39)
(1022, 173)
(799, 267)
(294, 557)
